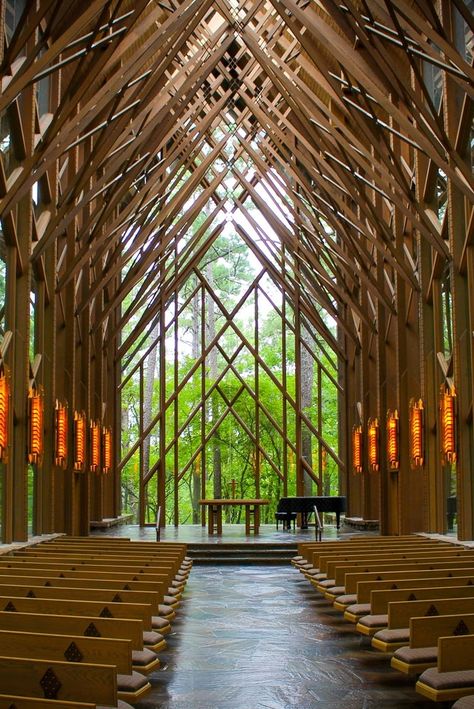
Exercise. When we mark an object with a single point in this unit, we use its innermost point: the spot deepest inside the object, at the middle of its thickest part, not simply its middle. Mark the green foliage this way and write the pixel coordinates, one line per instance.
(230, 414)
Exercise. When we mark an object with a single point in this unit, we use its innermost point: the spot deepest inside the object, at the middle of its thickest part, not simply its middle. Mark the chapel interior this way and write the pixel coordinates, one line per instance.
(236, 343)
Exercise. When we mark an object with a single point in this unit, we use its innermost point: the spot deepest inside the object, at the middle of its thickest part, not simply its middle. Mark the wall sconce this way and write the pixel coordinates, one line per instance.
(448, 424)
(79, 441)
(61, 429)
(4, 409)
(416, 433)
(357, 449)
(393, 455)
(95, 430)
(35, 411)
(106, 449)
(373, 443)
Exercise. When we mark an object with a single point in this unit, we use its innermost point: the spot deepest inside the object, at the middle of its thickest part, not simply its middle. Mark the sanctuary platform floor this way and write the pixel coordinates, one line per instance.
(250, 637)
(231, 533)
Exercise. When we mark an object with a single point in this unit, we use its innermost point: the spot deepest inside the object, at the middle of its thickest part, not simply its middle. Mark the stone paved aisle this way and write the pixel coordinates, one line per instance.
(258, 637)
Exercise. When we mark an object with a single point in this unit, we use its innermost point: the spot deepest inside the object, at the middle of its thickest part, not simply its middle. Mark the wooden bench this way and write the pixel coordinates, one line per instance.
(453, 677)
(95, 570)
(329, 563)
(116, 628)
(99, 609)
(169, 566)
(345, 583)
(456, 618)
(12, 701)
(379, 604)
(78, 649)
(305, 548)
(64, 681)
(309, 548)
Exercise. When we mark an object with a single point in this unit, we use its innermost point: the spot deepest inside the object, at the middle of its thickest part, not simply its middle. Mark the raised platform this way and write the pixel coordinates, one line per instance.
(243, 553)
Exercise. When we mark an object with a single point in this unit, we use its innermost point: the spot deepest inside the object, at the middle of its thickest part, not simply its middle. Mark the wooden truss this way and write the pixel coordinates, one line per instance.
(121, 122)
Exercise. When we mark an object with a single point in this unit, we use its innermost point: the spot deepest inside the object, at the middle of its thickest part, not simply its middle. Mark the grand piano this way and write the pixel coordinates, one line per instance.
(305, 505)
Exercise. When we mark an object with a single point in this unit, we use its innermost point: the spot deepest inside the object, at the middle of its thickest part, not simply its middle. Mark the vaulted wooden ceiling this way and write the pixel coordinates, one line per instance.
(320, 105)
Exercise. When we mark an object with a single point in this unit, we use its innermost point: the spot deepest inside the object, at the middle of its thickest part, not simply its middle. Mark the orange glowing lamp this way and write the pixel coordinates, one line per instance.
(35, 443)
(416, 433)
(448, 424)
(95, 446)
(106, 449)
(357, 449)
(4, 408)
(79, 441)
(373, 443)
(393, 455)
(61, 430)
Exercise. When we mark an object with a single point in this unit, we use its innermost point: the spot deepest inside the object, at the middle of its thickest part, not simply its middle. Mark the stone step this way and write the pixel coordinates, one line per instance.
(241, 553)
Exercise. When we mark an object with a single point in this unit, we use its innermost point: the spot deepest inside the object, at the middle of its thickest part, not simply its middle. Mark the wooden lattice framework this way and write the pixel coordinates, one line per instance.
(363, 110)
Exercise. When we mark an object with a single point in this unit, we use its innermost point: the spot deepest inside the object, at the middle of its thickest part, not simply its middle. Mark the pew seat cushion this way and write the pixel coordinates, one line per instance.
(464, 702)
(159, 624)
(326, 583)
(440, 681)
(143, 658)
(349, 599)
(150, 637)
(120, 705)
(165, 610)
(393, 635)
(357, 609)
(131, 683)
(417, 655)
(374, 621)
(313, 572)
(335, 591)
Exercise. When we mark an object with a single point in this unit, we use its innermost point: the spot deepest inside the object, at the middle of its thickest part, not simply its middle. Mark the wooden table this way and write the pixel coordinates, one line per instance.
(252, 512)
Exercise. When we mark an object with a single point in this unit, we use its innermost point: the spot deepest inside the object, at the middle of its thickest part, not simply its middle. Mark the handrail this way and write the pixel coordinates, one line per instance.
(158, 520)
(318, 525)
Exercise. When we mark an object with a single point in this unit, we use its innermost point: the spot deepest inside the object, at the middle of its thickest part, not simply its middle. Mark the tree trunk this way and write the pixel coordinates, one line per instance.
(196, 468)
(307, 374)
(215, 443)
(148, 404)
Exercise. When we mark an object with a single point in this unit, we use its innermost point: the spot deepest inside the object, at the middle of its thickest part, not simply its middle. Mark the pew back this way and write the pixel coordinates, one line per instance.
(425, 631)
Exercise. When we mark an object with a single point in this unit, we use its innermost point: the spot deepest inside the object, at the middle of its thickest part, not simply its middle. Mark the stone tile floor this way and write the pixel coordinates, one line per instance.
(254, 637)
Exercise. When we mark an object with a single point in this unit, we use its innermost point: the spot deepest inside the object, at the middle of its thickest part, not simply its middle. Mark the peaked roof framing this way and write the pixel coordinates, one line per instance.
(312, 114)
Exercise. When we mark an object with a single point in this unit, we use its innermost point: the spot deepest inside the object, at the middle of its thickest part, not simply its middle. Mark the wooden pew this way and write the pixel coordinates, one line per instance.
(378, 616)
(95, 570)
(8, 701)
(422, 652)
(305, 548)
(78, 649)
(305, 559)
(337, 570)
(99, 609)
(116, 628)
(64, 681)
(169, 566)
(328, 563)
(148, 549)
(453, 677)
(350, 575)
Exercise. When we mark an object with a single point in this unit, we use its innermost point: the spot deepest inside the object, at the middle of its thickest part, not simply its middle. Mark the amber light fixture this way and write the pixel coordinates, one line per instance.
(357, 449)
(61, 428)
(373, 443)
(393, 455)
(95, 446)
(4, 408)
(416, 433)
(35, 443)
(106, 450)
(79, 441)
(448, 424)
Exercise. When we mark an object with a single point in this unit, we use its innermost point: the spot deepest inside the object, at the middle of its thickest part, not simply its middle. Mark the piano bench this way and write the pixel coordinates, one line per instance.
(287, 518)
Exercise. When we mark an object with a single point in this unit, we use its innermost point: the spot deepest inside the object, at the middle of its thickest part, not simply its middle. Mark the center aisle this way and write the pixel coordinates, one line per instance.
(250, 637)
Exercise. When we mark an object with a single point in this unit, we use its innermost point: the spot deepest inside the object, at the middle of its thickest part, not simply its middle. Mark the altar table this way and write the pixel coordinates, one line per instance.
(252, 512)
